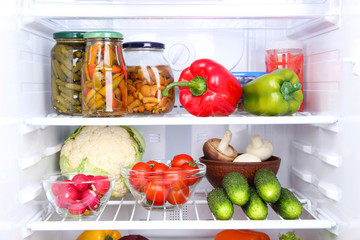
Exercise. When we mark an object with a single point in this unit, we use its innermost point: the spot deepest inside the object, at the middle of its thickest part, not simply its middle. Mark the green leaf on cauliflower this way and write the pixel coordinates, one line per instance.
(136, 135)
(64, 164)
(85, 166)
(75, 133)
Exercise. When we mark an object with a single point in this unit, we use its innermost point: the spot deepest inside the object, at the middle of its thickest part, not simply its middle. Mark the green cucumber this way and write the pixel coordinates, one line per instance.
(255, 208)
(288, 206)
(237, 188)
(267, 185)
(219, 204)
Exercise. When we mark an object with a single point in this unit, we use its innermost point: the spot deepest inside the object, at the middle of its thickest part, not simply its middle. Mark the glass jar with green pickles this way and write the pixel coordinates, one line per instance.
(104, 80)
(66, 60)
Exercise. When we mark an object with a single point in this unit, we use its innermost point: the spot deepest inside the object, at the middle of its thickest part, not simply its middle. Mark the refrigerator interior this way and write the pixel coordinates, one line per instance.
(318, 147)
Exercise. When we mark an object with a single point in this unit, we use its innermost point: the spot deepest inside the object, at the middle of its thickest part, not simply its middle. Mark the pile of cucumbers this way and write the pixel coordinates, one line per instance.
(253, 200)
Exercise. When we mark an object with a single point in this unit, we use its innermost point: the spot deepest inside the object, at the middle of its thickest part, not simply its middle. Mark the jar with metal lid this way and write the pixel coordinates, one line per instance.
(286, 54)
(148, 74)
(104, 82)
(66, 60)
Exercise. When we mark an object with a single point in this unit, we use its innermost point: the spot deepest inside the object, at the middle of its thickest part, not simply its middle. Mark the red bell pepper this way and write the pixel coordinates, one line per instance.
(207, 89)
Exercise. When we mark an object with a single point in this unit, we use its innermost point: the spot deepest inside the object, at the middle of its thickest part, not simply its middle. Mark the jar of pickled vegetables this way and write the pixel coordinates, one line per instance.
(104, 82)
(286, 54)
(148, 74)
(66, 60)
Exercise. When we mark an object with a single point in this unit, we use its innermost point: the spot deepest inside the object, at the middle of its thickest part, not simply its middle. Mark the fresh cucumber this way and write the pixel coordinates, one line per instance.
(236, 187)
(219, 204)
(255, 208)
(288, 206)
(267, 185)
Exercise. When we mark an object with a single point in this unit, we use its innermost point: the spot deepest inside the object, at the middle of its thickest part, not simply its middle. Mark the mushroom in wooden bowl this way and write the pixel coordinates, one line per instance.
(258, 155)
(216, 170)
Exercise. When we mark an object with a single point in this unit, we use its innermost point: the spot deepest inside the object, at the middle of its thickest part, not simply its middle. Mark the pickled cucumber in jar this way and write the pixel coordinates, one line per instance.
(66, 60)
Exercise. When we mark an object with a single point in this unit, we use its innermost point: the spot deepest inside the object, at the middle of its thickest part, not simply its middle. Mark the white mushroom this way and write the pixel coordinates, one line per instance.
(247, 157)
(260, 147)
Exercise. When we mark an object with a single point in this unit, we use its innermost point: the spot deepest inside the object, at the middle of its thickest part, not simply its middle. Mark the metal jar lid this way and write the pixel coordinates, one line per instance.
(103, 34)
(144, 45)
(68, 34)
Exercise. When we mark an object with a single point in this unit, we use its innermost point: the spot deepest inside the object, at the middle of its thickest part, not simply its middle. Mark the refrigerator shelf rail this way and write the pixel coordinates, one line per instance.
(299, 18)
(127, 214)
(180, 119)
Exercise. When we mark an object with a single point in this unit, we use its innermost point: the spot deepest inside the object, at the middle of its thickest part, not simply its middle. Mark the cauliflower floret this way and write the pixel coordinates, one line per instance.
(106, 148)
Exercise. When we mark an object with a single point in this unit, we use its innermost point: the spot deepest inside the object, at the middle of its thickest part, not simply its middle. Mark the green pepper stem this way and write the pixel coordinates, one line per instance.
(197, 86)
(288, 89)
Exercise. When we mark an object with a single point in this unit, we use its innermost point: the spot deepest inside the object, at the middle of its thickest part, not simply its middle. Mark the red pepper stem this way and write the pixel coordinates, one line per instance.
(197, 86)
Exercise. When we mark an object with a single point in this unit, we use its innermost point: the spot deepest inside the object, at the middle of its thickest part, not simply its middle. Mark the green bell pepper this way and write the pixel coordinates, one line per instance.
(274, 94)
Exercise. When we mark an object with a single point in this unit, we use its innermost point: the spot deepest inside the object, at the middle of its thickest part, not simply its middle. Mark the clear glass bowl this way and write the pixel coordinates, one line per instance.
(78, 194)
(165, 190)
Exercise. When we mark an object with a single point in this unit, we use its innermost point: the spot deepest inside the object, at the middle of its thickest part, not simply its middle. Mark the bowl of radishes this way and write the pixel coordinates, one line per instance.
(75, 194)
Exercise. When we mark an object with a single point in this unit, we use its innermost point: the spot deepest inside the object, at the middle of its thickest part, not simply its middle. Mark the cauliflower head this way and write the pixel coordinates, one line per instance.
(103, 149)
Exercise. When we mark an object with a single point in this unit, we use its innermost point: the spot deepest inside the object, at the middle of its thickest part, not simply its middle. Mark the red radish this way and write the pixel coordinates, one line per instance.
(80, 182)
(68, 195)
(59, 202)
(90, 177)
(77, 208)
(90, 200)
(55, 188)
(101, 185)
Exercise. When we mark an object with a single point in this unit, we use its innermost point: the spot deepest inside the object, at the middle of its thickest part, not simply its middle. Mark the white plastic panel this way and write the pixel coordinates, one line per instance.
(298, 18)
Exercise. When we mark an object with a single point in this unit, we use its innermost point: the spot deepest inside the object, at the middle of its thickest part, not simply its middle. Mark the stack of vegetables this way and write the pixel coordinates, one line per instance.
(253, 199)
(208, 89)
(103, 149)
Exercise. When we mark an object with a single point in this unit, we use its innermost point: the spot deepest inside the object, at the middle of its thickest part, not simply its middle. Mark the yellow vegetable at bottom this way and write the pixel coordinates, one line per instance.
(99, 235)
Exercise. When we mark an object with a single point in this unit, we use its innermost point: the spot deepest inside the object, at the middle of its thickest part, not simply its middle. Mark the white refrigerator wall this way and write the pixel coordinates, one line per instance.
(319, 161)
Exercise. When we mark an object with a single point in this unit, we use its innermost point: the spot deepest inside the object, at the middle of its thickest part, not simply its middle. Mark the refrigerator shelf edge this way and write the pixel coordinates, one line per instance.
(179, 9)
(136, 218)
(180, 119)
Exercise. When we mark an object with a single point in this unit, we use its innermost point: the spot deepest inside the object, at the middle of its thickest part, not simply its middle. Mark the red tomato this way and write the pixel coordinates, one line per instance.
(140, 176)
(191, 169)
(151, 163)
(175, 177)
(160, 167)
(156, 192)
(180, 159)
(178, 196)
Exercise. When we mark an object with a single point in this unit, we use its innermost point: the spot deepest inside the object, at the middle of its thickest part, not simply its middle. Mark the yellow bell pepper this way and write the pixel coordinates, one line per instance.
(99, 235)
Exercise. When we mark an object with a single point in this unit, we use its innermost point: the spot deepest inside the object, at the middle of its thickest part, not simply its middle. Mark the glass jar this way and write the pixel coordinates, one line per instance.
(286, 54)
(104, 83)
(148, 74)
(66, 60)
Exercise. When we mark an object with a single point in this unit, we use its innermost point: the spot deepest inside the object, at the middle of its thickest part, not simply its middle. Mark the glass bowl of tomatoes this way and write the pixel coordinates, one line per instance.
(78, 194)
(165, 186)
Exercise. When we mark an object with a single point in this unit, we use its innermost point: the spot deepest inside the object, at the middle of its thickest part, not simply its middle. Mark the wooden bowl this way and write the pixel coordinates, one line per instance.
(216, 170)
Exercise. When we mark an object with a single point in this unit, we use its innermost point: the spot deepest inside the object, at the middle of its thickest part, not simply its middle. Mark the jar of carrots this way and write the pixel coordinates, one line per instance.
(148, 73)
(103, 76)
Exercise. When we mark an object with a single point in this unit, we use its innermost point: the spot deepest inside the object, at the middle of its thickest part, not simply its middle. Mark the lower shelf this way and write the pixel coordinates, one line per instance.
(127, 214)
